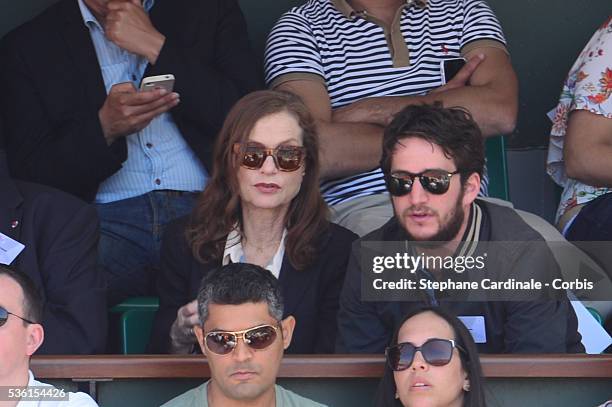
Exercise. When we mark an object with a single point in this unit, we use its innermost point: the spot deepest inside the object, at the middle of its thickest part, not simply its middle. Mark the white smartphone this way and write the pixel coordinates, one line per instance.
(158, 81)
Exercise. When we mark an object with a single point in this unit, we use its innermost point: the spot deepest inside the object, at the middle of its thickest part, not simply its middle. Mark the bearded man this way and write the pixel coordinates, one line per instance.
(433, 159)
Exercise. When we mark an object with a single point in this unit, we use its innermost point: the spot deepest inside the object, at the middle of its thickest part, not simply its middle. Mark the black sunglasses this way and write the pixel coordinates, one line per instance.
(286, 158)
(435, 351)
(433, 181)
(4, 314)
(224, 342)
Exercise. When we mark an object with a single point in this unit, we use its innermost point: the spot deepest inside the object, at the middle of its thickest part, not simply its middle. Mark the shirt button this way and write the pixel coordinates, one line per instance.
(149, 145)
(158, 181)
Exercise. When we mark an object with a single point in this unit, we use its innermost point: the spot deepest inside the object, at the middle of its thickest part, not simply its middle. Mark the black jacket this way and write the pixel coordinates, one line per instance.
(311, 295)
(53, 88)
(545, 326)
(60, 234)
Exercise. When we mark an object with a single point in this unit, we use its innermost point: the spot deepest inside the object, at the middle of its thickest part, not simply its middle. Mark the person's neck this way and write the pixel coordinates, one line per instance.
(18, 378)
(263, 228)
(216, 398)
(384, 10)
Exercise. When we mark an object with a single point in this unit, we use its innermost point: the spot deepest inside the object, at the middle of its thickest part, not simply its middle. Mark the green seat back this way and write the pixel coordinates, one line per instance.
(497, 168)
(134, 323)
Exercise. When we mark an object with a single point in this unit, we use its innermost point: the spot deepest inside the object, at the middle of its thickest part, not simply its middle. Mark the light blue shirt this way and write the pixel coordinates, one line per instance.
(158, 156)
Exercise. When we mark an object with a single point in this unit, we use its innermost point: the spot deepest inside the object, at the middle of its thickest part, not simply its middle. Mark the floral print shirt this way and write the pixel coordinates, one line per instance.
(587, 87)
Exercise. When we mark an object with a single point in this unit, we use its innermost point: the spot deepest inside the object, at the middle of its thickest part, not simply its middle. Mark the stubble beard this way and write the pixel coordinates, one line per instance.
(447, 232)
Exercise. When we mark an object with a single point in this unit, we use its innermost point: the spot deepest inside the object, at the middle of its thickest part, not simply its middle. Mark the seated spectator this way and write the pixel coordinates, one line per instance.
(262, 206)
(356, 63)
(60, 235)
(21, 334)
(433, 361)
(443, 149)
(581, 146)
(243, 335)
(77, 122)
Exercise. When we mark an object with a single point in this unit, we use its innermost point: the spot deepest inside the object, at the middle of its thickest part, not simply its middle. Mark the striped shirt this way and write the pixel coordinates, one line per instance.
(356, 56)
(158, 156)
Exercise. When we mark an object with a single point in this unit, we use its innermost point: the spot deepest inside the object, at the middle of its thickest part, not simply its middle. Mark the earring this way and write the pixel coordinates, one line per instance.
(466, 386)
(396, 396)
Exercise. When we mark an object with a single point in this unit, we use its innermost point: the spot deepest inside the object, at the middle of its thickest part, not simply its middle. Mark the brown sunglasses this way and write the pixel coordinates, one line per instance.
(286, 158)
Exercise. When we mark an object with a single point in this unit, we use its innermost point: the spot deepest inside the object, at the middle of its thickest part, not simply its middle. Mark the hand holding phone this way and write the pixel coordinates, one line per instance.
(450, 67)
(462, 76)
(126, 111)
(160, 81)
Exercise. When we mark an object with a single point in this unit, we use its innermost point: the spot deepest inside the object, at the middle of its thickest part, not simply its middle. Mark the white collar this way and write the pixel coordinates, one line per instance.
(233, 252)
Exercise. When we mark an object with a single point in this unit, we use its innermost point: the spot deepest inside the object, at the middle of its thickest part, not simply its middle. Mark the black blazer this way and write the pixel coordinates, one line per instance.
(60, 234)
(53, 88)
(311, 295)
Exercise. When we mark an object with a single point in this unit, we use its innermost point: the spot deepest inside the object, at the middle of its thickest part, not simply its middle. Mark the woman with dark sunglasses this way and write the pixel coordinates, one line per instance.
(262, 205)
(433, 362)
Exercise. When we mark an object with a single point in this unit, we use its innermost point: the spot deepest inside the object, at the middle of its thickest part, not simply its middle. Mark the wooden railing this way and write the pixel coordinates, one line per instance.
(311, 366)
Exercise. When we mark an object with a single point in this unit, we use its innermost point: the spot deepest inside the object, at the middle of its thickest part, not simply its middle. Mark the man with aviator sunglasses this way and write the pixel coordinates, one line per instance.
(243, 336)
(433, 160)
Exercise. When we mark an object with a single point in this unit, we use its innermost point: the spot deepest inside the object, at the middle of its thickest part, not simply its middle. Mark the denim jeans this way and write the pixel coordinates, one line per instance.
(130, 238)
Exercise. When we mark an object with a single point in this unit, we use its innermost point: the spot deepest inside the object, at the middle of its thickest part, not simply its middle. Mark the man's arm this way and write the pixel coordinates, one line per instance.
(292, 49)
(211, 74)
(345, 148)
(588, 147)
(126, 111)
(486, 86)
(55, 134)
(63, 142)
(69, 153)
(75, 314)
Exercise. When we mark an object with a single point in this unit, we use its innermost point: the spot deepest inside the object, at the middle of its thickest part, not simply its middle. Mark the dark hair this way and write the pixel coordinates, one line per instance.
(470, 362)
(32, 300)
(239, 283)
(218, 209)
(452, 129)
